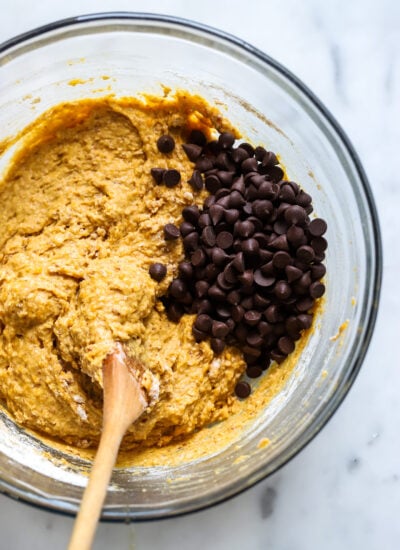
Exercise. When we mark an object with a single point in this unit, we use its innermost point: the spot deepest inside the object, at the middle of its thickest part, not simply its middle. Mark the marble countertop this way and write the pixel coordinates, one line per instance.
(343, 490)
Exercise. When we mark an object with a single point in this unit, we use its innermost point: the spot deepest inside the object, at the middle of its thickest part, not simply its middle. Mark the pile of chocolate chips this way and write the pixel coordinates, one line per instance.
(253, 257)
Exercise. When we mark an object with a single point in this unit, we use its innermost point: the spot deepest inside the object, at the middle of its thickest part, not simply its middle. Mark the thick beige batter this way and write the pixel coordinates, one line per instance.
(81, 221)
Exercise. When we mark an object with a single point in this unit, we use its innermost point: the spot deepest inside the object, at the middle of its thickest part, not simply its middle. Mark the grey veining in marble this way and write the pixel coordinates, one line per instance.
(343, 491)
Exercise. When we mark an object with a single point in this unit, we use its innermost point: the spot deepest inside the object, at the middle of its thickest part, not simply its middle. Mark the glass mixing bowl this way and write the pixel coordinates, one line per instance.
(72, 59)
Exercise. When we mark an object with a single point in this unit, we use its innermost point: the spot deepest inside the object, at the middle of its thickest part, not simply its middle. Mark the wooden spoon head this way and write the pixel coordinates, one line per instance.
(124, 397)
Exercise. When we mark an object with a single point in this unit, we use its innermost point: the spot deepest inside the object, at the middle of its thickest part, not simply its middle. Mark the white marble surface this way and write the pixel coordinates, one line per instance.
(343, 491)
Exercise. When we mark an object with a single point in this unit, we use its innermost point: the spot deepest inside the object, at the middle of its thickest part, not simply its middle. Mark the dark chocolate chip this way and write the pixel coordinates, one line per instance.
(248, 148)
(208, 236)
(177, 289)
(157, 174)
(197, 137)
(317, 227)
(196, 181)
(305, 253)
(216, 213)
(198, 258)
(186, 228)
(250, 247)
(219, 329)
(217, 345)
(249, 165)
(203, 322)
(204, 220)
(281, 259)
(213, 183)
(252, 317)
(242, 390)
(319, 245)
(269, 159)
(185, 270)
(262, 280)
(246, 278)
(201, 288)
(171, 232)
(166, 144)
(317, 271)
(174, 312)
(282, 290)
(231, 215)
(171, 178)
(191, 241)
(192, 151)
(293, 273)
(316, 289)
(226, 140)
(304, 320)
(295, 214)
(199, 335)
(224, 240)
(239, 155)
(237, 313)
(157, 271)
(191, 214)
(285, 345)
(203, 164)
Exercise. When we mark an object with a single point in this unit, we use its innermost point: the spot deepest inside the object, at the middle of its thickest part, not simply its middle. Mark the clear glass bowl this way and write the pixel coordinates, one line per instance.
(139, 52)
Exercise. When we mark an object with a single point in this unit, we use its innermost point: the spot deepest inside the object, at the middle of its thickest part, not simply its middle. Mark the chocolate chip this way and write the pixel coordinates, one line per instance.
(237, 313)
(263, 281)
(199, 335)
(213, 184)
(185, 270)
(208, 236)
(166, 144)
(217, 345)
(285, 345)
(216, 213)
(174, 312)
(219, 329)
(295, 214)
(249, 165)
(239, 155)
(280, 243)
(319, 245)
(191, 214)
(242, 390)
(244, 229)
(196, 181)
(203, 322)
(204, 220)
(231, 215)
(191, 241)
(157, 271)
(317, 271)
(226, 140)
(317, 227)
(248, 148)
(317, 289)
(192, 151)
(157, 174)
(198, 257)
(219, 256)
(197, 137)
(305, 254)
(224, 240)
(282, 290)
(186, 228)
(233, 297)
(246, 278)
(177, 288)
(304, 304)
(269, 159)
(250, 247)
(304, 320)
(203, 164)
(281, 259)
(171, 178)
(201, 288)
(252, 317)
(293, 273)
(216, 293)
(171, 232)
(295, 235)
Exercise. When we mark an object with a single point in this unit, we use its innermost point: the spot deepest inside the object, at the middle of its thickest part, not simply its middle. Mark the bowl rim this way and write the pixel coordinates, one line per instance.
(337, 398)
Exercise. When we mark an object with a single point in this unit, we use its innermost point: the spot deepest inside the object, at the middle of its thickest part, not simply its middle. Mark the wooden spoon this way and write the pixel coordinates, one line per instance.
(124, 401)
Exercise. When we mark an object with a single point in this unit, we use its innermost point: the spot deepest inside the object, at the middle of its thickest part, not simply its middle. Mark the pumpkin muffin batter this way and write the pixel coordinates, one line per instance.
(82, 220)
